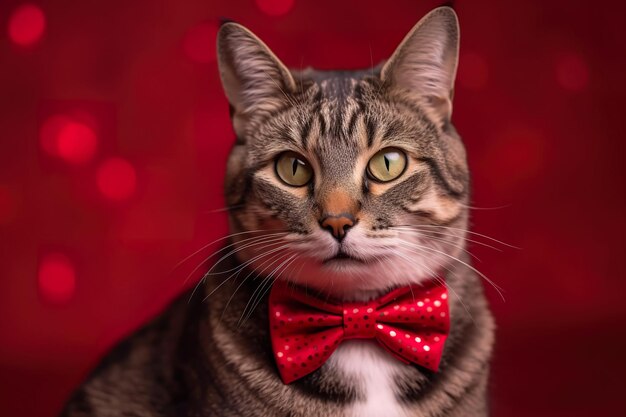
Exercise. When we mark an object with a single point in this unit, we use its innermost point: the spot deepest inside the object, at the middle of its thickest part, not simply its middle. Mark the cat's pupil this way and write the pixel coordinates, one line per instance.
(386, 162)
(294, 166)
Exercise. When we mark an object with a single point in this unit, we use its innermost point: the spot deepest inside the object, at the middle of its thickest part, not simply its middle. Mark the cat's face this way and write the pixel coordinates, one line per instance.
(351, 181)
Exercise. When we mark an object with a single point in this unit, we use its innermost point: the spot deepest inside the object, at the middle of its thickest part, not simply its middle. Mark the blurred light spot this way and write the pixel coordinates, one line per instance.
(275, 7)
(73, 141)
(26, 25)
(473, 71)
(8, 205)
(199, 43)
(572, 72)
(56, 279)
(76, 143)
(116, 179)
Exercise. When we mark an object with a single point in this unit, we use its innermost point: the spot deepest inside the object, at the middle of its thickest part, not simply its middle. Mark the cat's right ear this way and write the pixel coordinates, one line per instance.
(253, 78)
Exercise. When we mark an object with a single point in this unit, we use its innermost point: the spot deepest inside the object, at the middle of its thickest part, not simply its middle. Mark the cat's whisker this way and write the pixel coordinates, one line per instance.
(432, 250)
(485, 208)
(214, 242)
(253, 259)
(465, 231)
(258, 271)
(238, 269)
(435, 276)
(267, 282)
(442, 233)
(452, 234)
(258, 240)
(259, 292)
(444, 241)
(263, 281)
(222, 209)
(264, 239)
(264, 244)
(284, 266)
(456, 295)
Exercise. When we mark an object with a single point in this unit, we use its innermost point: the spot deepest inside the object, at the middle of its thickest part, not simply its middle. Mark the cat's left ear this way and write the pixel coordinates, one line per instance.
(423, 67)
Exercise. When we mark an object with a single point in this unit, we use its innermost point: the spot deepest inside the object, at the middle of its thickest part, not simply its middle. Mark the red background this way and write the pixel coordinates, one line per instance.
(87, 245)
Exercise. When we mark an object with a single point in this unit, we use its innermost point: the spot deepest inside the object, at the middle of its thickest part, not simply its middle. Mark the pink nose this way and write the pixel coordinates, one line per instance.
(338, 225)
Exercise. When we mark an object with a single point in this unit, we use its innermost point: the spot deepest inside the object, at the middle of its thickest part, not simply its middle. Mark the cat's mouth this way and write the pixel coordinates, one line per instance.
(341, 256)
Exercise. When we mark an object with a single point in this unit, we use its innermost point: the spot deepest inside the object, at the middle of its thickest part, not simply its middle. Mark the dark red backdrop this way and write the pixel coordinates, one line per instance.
(114, 133)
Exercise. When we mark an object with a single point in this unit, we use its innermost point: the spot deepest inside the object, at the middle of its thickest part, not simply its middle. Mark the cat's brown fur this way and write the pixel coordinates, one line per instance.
(213, 357)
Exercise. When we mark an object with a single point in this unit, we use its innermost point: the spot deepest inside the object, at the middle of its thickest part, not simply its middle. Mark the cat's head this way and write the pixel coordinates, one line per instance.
(346, 181)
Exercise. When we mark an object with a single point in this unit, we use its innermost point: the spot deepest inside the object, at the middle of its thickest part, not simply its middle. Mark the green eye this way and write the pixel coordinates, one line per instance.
(388, 164)
(293, 169)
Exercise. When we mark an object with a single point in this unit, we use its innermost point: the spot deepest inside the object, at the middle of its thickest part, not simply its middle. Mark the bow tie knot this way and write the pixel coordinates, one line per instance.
(411, 323)
(359, 321)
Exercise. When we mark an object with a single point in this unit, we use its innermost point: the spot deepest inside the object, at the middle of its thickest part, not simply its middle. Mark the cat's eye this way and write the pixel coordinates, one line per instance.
(293, 169)
(388, 164)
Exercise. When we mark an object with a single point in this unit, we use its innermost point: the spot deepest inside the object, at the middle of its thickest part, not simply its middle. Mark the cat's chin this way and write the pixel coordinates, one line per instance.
(345, 260)
(349, 279)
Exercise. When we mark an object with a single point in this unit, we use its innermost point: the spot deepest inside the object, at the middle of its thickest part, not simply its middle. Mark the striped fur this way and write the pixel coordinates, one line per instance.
(213, 358)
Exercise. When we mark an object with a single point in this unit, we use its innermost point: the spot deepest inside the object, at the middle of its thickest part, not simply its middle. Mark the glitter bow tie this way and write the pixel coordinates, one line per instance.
(411, 323)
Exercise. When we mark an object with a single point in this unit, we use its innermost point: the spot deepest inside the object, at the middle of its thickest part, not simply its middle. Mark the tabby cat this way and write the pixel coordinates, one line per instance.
(344, 183)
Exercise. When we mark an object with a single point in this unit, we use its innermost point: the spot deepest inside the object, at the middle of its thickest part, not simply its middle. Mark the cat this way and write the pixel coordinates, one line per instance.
(344, 183)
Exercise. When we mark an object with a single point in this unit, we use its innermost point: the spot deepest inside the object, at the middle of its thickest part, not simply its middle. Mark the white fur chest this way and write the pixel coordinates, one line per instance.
(374, 369)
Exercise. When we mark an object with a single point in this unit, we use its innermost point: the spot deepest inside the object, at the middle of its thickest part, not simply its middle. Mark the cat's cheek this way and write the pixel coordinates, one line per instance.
(439, 208)
(271, 224)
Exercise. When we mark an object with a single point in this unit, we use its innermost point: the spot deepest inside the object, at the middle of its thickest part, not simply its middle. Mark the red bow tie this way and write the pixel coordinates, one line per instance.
(411, 323)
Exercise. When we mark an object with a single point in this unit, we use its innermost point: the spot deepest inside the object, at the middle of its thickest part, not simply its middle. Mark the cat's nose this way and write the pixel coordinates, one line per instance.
(338, 225)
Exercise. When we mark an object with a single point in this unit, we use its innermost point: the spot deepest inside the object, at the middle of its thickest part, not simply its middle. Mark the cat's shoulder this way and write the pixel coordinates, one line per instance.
(139, 371)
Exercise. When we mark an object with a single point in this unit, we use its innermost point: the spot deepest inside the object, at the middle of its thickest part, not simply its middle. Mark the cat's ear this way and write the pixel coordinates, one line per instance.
(253, 78)
(423, 67)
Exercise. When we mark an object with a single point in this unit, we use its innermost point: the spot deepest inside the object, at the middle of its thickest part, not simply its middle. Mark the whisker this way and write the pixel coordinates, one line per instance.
(272, 258)
(435, 276)
(257, 240)
(222, 209)
(486, 208)
(284, 266)
(438, 232)
(213, 242)
(259, 292)
(264, 239)
(493, 284)
(237, 270)
(474, 233)
(442, 241)
(263, 281)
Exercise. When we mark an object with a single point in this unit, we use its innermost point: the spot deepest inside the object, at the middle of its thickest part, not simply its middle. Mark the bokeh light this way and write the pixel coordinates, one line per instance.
(572, 72)
(116, 179)
(26, 25)
(76, 143)
(73, 141)
(275, 7)
(56, 278)
(473, 71)
(199, 42)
